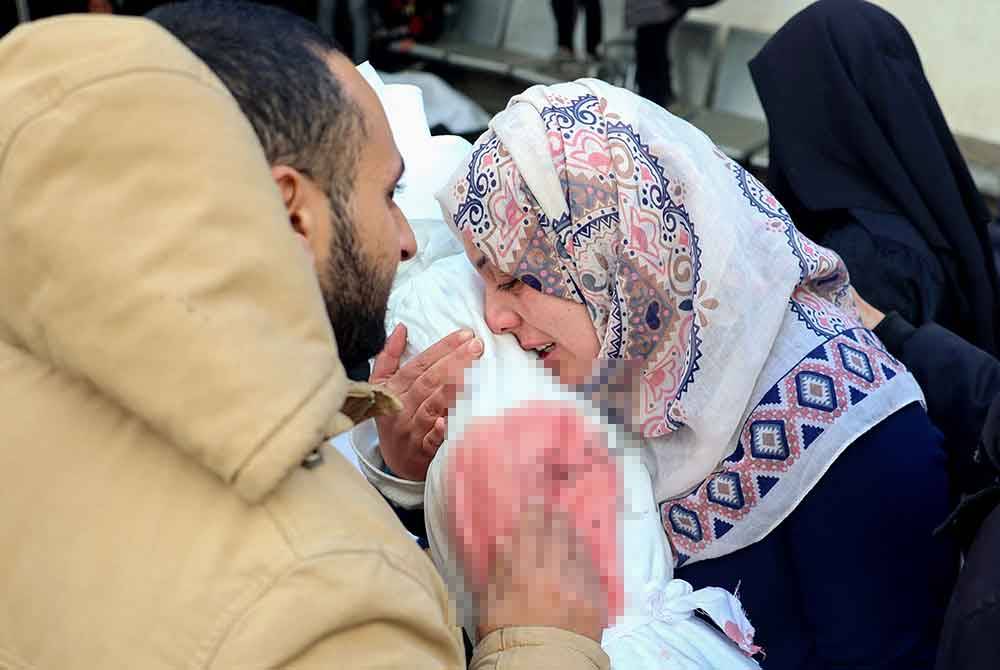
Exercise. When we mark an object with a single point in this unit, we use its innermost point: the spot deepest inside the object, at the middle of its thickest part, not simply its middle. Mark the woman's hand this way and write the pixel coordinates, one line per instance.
(870, 316)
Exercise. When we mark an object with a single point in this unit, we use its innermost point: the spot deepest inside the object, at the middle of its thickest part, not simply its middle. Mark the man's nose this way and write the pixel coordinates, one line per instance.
(407, 241)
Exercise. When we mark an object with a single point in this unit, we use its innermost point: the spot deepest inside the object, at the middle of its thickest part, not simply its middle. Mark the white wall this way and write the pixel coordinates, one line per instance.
(957, 40)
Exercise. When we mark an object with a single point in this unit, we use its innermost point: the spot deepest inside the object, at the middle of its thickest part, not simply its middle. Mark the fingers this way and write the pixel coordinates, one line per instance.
(447, 374)
(387, 362)
(435, 438)
(545, 560)
(542, 536)
(427, 387)
(553, 552)
(435, 406)
(534, 546)
(445, 348)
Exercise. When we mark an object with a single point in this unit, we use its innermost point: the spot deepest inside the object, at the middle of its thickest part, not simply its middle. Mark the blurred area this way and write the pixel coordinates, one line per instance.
(470, 56)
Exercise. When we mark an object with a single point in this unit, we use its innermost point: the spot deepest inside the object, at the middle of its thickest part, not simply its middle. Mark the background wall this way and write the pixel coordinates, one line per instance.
(956, 38)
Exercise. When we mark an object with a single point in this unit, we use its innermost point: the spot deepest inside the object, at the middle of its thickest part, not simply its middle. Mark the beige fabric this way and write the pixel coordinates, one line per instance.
(165, 367)
(536, 648)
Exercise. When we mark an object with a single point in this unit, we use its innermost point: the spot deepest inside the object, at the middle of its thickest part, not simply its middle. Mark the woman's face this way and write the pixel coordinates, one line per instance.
(558, 330)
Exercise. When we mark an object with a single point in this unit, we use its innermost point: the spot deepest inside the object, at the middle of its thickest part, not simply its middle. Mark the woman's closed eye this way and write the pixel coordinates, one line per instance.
(508, 285)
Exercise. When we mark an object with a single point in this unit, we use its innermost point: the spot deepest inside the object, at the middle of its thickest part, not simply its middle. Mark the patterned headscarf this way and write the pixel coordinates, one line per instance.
(623, 242)
(689, 267)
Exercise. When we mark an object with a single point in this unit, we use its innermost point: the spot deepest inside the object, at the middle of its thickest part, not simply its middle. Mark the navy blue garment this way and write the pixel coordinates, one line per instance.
(960, 381)
(994, 230)
(891, 264)
(854, 577)
(962, 387)
(970, 639)
(413, 522)
(854, 125)
(963, 384)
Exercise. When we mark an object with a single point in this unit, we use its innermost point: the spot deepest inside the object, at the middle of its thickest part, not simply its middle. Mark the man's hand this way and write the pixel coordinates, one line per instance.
(427, 386)
(870, 316)
(524, 561)
(543, 575)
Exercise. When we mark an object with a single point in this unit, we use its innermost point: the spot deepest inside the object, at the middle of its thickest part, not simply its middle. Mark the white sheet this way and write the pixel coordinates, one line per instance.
(439, 292)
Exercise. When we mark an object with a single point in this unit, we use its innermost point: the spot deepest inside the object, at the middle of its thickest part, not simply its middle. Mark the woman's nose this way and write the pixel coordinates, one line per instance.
(499, 316)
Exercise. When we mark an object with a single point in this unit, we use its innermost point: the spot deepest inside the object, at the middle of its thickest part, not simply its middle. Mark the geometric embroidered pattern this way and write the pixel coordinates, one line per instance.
(857, 362)
(685, 522)
(816, 391)
(725, 490)
(768, 440)
(809, 434)
(721, 527)
(813, 395)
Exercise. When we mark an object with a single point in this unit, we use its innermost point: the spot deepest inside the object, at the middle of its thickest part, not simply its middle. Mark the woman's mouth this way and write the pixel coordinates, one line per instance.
(544, 351)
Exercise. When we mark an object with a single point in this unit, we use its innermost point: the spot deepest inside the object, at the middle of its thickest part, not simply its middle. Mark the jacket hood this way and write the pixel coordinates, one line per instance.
(145, 250)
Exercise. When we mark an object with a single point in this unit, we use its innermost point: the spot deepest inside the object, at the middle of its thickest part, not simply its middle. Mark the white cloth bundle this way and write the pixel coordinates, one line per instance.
(439, 292)
(658, 628)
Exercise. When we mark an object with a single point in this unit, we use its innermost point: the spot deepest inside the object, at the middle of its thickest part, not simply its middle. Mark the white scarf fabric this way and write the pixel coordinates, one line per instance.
(759, 373)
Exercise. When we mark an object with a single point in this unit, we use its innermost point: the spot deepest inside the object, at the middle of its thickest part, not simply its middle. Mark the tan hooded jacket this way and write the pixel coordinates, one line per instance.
(165, 368)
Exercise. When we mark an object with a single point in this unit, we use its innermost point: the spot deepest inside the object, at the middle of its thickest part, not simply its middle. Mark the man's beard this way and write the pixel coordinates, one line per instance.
(356, 293)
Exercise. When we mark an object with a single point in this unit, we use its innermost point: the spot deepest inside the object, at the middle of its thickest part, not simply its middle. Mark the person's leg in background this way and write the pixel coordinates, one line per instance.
(326, 17)
(854, 577)
(653, 75)
(326, 14)
(360, 29)
(595, 26)
(564, 12)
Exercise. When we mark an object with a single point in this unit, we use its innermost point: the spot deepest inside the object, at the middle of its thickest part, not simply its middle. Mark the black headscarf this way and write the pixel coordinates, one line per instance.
(854, 124)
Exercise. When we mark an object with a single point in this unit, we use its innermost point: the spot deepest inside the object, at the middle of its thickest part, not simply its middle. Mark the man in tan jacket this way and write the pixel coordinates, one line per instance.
(167, 378)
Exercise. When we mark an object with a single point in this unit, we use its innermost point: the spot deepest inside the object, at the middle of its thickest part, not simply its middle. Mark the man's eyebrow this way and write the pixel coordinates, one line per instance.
(481, 262)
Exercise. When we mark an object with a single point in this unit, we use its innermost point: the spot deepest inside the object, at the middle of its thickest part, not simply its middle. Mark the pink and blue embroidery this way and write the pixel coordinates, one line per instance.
(799, 408)
(828, 382)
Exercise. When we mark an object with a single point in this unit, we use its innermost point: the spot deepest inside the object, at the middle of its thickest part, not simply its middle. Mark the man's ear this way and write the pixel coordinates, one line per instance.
(292, 185)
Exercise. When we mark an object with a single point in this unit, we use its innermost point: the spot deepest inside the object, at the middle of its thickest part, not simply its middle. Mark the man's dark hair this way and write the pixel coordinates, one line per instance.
(274, 64)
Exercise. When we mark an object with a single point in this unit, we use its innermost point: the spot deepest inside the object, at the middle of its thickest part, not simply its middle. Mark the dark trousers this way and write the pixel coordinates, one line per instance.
(652, 60)
(566, 12)
(971, 636)
(854, 577)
